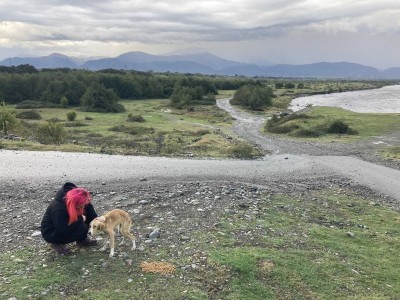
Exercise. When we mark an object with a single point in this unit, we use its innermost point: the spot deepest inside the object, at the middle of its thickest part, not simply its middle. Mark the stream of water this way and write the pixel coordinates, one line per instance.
(383, 100)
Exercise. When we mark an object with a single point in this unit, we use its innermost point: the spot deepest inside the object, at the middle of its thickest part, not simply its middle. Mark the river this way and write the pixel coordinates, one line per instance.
(383, 100)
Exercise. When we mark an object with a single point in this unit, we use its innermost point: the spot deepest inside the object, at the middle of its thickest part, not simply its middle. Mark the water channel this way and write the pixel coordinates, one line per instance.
(383, 100)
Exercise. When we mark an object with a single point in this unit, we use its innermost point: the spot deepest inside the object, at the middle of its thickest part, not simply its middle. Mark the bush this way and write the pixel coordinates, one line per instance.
(310, 132)
(50, 133)
(241, 150)
(29, 115)
(71, 116)
(135, 118)
(75, 124)
(340, 127)
(8, 120)
(274, 124)
(285, 128)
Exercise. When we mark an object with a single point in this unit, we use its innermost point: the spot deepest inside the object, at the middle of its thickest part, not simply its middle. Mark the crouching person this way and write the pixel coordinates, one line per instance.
(67, 219)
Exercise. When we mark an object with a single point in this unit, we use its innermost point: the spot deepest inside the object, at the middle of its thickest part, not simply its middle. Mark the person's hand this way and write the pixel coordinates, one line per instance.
(84, 218)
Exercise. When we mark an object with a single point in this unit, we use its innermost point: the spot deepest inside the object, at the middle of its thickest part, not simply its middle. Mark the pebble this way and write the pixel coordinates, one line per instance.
(350, 234)
(155, 234)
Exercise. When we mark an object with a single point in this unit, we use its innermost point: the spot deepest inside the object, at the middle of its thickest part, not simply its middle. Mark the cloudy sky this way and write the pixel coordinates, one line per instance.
(261, 31)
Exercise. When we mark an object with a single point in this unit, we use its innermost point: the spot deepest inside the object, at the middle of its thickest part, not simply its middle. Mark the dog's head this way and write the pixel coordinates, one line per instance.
(97, 226)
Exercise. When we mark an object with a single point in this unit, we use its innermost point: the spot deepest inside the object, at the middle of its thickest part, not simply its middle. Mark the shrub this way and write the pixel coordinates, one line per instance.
(310, 132)
(241, 150)
(75, 124)
(285, 128)
(8, 120)
(340, 127)
(71, 116)
(50, 133)
(29, 115)
(278, 120)
(135, 118)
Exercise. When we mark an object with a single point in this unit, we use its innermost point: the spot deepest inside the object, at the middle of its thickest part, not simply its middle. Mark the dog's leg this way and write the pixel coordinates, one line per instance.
(120, 231)
(126, 232)
(112, 241)
(105, 241)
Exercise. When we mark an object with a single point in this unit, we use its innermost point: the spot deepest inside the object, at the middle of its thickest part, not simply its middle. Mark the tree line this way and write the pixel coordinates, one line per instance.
(70, 87)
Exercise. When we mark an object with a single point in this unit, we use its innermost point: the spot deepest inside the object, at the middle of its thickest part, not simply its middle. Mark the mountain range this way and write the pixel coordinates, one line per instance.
(206, 63)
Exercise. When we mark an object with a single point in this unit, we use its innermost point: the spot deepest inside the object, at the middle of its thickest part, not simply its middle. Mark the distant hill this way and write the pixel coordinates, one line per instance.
(203, 63)
(324, 70)
(206, 63)
(391, 73)
(54, 60)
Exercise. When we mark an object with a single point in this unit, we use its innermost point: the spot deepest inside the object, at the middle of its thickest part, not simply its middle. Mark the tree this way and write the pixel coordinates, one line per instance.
(289, 85)
(8, 119)
(181, 97)
(64, 102)
(99, 99)
(253, 97)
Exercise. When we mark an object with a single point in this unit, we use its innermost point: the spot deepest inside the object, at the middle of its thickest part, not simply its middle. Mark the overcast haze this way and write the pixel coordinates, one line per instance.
(269, 31)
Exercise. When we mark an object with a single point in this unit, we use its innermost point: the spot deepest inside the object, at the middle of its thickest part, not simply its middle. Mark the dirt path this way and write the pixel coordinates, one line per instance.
(249, 127)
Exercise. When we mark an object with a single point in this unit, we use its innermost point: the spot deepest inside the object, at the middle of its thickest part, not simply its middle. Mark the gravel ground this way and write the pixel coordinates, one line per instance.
(179, 196)
(177, 208)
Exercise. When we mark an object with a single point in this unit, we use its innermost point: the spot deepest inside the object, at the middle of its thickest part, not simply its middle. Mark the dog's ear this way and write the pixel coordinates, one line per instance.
(101, 218)
(101, 226)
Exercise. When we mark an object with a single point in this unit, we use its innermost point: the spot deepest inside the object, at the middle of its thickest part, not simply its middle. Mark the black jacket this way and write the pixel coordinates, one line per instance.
(54, 225)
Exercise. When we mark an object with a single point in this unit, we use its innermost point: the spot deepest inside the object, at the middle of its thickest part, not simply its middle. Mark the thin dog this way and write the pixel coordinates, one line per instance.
(115, 218)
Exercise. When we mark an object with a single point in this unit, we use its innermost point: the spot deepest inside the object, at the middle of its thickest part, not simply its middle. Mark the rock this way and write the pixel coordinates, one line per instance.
(155, 234)
(350, 234)
(36, 233)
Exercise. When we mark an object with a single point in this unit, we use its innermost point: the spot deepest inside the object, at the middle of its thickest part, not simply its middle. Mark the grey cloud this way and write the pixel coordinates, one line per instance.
(76, 22)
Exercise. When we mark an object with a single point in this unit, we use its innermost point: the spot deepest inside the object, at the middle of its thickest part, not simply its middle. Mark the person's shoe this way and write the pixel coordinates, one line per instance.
(87, 242)
(61, 249)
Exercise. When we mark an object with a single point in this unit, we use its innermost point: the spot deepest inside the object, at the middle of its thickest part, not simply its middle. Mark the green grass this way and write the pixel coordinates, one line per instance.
(306, 253)
(296, 247)
(366, 124)
(165, 131)
(392, 152)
